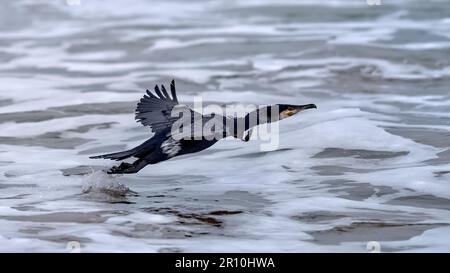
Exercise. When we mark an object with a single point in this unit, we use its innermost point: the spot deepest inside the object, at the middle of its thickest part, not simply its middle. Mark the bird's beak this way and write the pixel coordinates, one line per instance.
(306, 106)
(298, 108)
(295, 109)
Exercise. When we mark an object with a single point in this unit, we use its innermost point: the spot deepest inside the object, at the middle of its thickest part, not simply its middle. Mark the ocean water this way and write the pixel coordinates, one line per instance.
(372, 163)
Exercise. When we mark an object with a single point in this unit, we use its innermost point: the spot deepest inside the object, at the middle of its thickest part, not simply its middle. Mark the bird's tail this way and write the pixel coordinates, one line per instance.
(116, 156)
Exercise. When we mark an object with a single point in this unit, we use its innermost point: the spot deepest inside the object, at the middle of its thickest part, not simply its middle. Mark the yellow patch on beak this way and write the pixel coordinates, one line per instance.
(287, 113)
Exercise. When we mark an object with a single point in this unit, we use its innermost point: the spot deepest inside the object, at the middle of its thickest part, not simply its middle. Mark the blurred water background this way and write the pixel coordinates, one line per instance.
(371, 164)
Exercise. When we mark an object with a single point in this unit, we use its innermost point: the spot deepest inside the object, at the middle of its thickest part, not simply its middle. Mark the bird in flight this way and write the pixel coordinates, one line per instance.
(195, 132)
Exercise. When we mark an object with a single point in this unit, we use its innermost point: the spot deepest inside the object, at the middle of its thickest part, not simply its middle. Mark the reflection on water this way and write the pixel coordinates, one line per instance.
(371, 164)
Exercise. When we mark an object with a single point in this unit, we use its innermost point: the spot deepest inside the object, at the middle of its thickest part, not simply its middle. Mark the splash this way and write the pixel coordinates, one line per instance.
(100, 184)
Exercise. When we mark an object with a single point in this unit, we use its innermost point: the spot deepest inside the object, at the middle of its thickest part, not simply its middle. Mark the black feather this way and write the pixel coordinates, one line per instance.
(173, 91)
(154, 108)
(163, 89)
(159, 92)
(150, 94)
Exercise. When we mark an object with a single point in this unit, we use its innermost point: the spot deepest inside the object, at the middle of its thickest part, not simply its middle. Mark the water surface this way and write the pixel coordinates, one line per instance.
(371, 164)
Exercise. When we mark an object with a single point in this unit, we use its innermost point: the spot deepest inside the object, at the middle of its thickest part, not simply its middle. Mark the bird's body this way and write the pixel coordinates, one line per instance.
(194, 135)
(159, 148)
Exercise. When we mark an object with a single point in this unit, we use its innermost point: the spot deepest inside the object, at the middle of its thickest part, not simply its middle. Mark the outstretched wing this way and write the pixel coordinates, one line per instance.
(155, 110)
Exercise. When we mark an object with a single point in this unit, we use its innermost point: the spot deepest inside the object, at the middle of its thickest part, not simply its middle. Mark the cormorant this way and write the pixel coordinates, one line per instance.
(156, 111)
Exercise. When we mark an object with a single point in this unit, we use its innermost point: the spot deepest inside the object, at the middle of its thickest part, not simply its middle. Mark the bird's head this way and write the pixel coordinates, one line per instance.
(287, 110)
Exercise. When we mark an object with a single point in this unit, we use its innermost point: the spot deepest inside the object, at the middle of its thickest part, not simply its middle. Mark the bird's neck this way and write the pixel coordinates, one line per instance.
(257, 117)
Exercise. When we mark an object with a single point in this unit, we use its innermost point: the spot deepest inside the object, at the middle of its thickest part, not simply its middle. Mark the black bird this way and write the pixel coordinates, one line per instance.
(157, 111)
